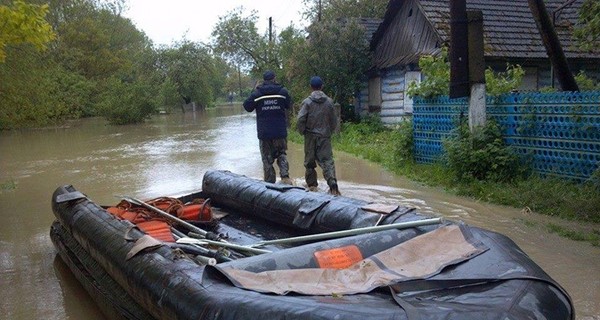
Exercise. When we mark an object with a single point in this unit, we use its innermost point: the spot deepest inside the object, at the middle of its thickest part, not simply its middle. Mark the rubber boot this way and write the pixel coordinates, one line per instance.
(333, 190)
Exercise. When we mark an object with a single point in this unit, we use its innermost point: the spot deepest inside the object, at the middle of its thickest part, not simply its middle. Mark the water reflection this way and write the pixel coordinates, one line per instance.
(169, 155)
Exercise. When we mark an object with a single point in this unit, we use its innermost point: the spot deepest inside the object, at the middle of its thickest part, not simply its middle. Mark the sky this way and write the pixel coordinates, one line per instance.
(166, 21)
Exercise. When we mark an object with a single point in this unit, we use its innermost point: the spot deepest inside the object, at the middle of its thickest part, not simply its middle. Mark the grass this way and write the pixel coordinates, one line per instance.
(592, 237)
(8, 185)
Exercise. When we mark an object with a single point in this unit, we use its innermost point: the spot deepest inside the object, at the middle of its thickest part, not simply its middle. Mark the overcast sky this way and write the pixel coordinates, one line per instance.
(165, 21)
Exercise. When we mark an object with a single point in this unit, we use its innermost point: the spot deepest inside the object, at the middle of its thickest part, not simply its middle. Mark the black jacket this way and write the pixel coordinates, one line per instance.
(271, 102)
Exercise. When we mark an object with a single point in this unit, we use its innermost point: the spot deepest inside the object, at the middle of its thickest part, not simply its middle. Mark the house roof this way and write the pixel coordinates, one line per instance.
(370, 25)
(510, 30)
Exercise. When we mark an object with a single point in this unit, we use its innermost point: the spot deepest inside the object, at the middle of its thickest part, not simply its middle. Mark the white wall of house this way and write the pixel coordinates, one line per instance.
(392, 96)
(386, 95)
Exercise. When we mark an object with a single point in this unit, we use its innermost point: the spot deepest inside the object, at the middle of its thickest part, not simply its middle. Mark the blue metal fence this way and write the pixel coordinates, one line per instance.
(558, 132)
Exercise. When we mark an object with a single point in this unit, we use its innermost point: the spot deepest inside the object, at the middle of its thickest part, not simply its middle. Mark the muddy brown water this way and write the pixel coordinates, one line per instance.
(169, 155)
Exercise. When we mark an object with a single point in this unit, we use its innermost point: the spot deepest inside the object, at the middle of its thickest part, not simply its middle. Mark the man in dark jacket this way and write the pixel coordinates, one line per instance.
(317, 122)
(271, 102)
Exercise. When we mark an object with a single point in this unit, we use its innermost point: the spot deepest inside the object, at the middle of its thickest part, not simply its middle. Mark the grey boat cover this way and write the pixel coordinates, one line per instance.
(343, 270)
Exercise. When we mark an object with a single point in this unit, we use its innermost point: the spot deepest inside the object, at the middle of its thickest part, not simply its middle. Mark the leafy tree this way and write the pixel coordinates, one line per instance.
(337, 48)
(236, 39)
(338, 52)
(587, 32)
(192, 71)
(96, 43)
(31, 90)
(97, 58)
(24, 23)
(104, 48)
(126, 102)
(292, 43)
(335, 9)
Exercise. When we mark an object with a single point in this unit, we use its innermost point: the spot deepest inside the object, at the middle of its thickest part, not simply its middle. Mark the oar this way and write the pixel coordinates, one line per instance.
(351, 232)
(222, 244)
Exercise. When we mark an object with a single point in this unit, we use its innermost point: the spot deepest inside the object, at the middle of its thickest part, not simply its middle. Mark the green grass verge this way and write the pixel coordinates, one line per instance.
(591, 237)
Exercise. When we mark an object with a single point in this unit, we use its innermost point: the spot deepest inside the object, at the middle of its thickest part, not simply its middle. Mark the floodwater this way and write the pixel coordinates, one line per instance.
(169, 155)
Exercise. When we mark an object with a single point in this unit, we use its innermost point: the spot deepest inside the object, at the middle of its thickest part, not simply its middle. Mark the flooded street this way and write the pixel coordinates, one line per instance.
(169, 155)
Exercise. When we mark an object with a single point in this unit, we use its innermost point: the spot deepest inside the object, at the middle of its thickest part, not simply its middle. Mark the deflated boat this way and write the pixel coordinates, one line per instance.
(272, 251)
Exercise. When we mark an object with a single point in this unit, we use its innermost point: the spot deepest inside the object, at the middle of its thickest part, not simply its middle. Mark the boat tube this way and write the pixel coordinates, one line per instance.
(442, 271)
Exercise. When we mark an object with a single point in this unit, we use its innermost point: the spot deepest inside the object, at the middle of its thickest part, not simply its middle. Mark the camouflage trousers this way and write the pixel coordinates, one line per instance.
(271, 150)
(318, 150)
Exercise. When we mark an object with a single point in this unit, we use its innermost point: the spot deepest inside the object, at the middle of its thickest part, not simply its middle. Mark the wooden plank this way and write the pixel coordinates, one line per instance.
(392, 112)
(392, 104)
(392, 96)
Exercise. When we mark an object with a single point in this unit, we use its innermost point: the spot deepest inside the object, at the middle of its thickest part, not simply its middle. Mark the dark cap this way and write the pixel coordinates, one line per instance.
(316, 82)
(269, 75)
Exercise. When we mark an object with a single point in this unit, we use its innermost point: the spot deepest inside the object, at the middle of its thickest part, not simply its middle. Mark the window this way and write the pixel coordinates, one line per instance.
(374, 94)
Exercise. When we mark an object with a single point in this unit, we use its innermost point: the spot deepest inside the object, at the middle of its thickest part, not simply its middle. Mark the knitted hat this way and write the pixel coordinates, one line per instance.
(316, 82)
(269, 75)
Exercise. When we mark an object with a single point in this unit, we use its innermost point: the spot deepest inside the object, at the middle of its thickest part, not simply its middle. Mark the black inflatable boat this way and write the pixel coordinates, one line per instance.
(280, 252)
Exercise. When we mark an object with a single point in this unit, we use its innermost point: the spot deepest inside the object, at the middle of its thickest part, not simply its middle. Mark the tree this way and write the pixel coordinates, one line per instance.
(24, 23)
(335, 9)
(98, 60)
(587, 32)
(337, 51)
(236, 38)
(337, 48)
(192, 71)
(292, 42)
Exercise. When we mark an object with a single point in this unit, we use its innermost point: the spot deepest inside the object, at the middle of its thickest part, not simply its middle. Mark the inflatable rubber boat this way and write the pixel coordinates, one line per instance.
(273, 251)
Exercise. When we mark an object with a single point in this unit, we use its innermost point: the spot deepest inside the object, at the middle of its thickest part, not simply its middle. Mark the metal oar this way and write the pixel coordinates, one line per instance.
(223, 244)
(351, 232)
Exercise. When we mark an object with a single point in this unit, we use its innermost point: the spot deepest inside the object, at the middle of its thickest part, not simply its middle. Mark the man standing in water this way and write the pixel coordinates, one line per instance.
(271, 102)
(317, 122)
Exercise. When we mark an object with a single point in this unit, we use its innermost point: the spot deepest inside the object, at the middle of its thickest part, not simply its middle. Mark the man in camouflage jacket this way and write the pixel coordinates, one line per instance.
(317, 122)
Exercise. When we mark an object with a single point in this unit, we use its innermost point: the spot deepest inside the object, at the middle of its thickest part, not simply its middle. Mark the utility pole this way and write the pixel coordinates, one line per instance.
(270, 29)
(459, 53)
(319, 12)
(239, 79)
(552, 44)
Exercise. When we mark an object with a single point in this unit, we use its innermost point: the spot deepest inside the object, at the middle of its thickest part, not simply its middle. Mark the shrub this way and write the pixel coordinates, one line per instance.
(404, 144)
(481, 155)
(127, 103)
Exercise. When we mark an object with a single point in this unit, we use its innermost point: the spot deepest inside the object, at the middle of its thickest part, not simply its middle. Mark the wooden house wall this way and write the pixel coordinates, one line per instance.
(392, 96)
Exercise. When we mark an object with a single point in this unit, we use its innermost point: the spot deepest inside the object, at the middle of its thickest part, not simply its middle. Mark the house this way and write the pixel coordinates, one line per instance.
(412, 28)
